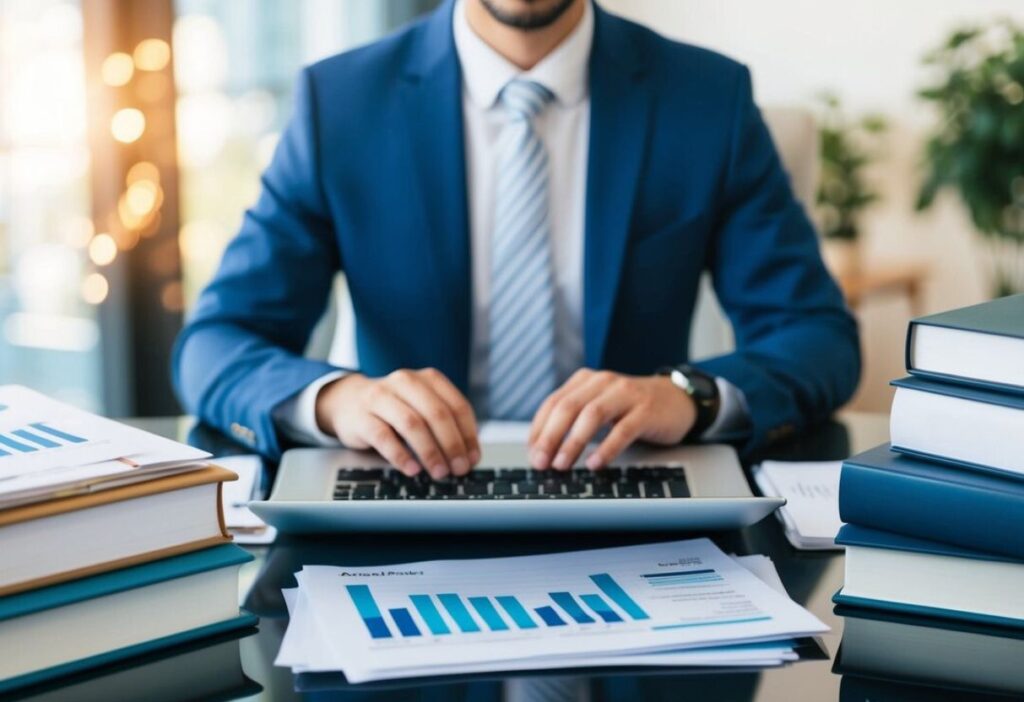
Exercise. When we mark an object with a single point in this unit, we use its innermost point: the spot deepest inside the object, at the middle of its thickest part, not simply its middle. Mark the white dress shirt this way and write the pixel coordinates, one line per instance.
(564, 128)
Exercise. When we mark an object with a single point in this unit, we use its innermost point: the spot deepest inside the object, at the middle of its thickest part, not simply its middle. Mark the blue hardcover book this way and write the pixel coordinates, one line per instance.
(902, 574)
(965, 427)
(978, 345)
(86, 623)
(885, 490)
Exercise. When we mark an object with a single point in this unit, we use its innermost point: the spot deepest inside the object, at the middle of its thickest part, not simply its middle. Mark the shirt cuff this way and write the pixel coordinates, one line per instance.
(733, 420)
(296, 416)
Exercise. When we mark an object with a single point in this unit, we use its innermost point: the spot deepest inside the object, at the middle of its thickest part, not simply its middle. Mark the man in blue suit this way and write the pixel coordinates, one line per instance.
(523, 195)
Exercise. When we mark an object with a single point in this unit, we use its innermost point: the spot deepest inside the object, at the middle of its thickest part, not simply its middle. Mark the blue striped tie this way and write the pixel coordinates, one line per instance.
(521, 370)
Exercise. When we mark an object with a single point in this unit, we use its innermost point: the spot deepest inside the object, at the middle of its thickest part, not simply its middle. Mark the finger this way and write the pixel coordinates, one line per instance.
(623, 433)
(602, 410)
(562, 417)
(419, 395)
(541, 416)
(383, 439)
(465, 419)
(413, 428)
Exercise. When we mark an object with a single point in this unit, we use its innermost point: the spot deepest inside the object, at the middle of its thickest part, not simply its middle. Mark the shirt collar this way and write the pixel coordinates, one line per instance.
(485, 72)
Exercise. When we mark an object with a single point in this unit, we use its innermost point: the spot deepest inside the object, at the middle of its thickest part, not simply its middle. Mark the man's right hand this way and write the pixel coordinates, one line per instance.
(419, 410)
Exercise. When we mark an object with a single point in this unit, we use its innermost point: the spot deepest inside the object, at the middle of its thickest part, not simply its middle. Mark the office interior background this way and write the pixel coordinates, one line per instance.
(133, 132)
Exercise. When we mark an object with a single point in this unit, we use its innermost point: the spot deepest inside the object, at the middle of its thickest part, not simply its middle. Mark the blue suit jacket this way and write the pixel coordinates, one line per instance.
(369, 178)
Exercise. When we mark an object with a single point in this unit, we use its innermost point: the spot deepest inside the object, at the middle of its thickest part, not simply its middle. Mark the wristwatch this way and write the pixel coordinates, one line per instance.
(702, 388)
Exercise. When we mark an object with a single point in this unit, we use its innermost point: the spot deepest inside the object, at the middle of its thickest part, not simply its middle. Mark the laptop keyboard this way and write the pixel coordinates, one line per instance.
(513, 483)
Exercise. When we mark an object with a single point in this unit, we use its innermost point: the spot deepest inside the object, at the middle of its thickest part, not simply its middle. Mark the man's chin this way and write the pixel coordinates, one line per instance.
(527, 15)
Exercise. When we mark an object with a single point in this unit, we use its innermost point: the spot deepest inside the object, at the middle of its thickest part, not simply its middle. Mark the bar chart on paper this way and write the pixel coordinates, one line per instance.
(391, 615)
(36, 436)
(474, 615)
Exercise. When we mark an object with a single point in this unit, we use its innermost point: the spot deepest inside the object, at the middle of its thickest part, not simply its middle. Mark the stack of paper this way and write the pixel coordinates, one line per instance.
(810, 516)
(682, 603)
(49, 449)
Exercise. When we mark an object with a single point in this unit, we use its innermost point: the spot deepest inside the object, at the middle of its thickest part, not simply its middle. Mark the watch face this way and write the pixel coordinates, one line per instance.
(703, 386)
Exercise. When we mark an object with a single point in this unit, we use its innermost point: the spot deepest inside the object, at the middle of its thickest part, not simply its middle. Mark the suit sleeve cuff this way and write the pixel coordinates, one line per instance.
(296, 416)
(733, 420)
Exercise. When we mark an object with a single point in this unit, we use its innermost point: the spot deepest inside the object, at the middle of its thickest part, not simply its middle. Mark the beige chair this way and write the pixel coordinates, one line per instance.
(795, 135)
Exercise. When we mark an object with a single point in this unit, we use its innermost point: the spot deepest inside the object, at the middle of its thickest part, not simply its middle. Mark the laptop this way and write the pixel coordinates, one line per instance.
(647, 489)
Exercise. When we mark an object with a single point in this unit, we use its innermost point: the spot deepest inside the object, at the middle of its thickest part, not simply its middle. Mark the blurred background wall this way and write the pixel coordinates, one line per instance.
(132, 134)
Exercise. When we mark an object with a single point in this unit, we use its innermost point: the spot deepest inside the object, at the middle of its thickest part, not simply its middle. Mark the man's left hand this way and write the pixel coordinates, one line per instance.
(647, 408)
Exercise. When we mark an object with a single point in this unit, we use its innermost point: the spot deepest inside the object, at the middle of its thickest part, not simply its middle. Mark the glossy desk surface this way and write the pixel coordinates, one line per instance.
(810, 577)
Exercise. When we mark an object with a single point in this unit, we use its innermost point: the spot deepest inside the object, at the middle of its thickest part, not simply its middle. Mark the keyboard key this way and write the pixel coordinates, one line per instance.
(481, 475)
(474, 489)
(527, 488)
(678, 488)
(653, 489)
(501, 487)
(552, 487)
(603, 490)
(629, 488)
(363, 492)
(445, 488)
(576, 488)
(513, 474)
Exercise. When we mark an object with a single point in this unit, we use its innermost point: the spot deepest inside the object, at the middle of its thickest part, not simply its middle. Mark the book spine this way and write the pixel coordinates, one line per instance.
(908, 345)
(951, 513)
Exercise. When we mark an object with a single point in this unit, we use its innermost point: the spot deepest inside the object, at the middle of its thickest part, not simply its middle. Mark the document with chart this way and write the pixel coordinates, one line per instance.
(557, 610)
(45, 444)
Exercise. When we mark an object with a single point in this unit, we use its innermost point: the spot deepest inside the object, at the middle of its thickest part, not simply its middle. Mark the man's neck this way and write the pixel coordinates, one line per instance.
(525, 49)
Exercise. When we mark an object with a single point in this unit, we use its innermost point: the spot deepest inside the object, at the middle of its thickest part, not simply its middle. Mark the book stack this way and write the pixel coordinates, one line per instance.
(112, 542)
(934, 521)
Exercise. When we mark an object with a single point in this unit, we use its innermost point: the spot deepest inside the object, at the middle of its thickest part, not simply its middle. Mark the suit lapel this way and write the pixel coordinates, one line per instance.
(433, 94)
(619, 111)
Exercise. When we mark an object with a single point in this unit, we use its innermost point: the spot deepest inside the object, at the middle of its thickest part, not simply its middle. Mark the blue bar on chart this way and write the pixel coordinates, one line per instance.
(62, 435)
(425, 606)
(488, 613)
(682, 577)
(369, 611)
(16, 445)
(568, 603)
(461, 615)
(515, 610)
(603, 609)
(550, 616)
(404, 621)
(35, 438)
(618, 596)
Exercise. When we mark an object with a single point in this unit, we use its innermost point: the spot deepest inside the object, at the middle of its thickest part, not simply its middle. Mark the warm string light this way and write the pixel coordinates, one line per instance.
(138, 206)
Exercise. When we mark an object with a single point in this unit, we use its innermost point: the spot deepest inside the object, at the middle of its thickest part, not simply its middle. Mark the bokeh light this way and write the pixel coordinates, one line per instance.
(127, 125)
(102, 249)
(142, 197)
(152, 55)
(95, 288)
(143, 170)
(117, 69)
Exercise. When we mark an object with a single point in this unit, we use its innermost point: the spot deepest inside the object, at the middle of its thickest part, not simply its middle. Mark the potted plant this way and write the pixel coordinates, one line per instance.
(977, 146)
(848, 146)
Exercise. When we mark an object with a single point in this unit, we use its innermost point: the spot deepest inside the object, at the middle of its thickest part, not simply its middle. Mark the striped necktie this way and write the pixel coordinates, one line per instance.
(521, 363)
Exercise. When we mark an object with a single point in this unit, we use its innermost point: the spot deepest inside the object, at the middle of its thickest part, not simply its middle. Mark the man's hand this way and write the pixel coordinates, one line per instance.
(647, 408)
(419, 410)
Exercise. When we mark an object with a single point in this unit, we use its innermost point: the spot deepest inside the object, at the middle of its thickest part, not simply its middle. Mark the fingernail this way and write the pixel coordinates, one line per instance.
(460, 466)
(410, 467)
(539, 459)
(561, 461)
(594, 462)
(474, 456)
(438, 472)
